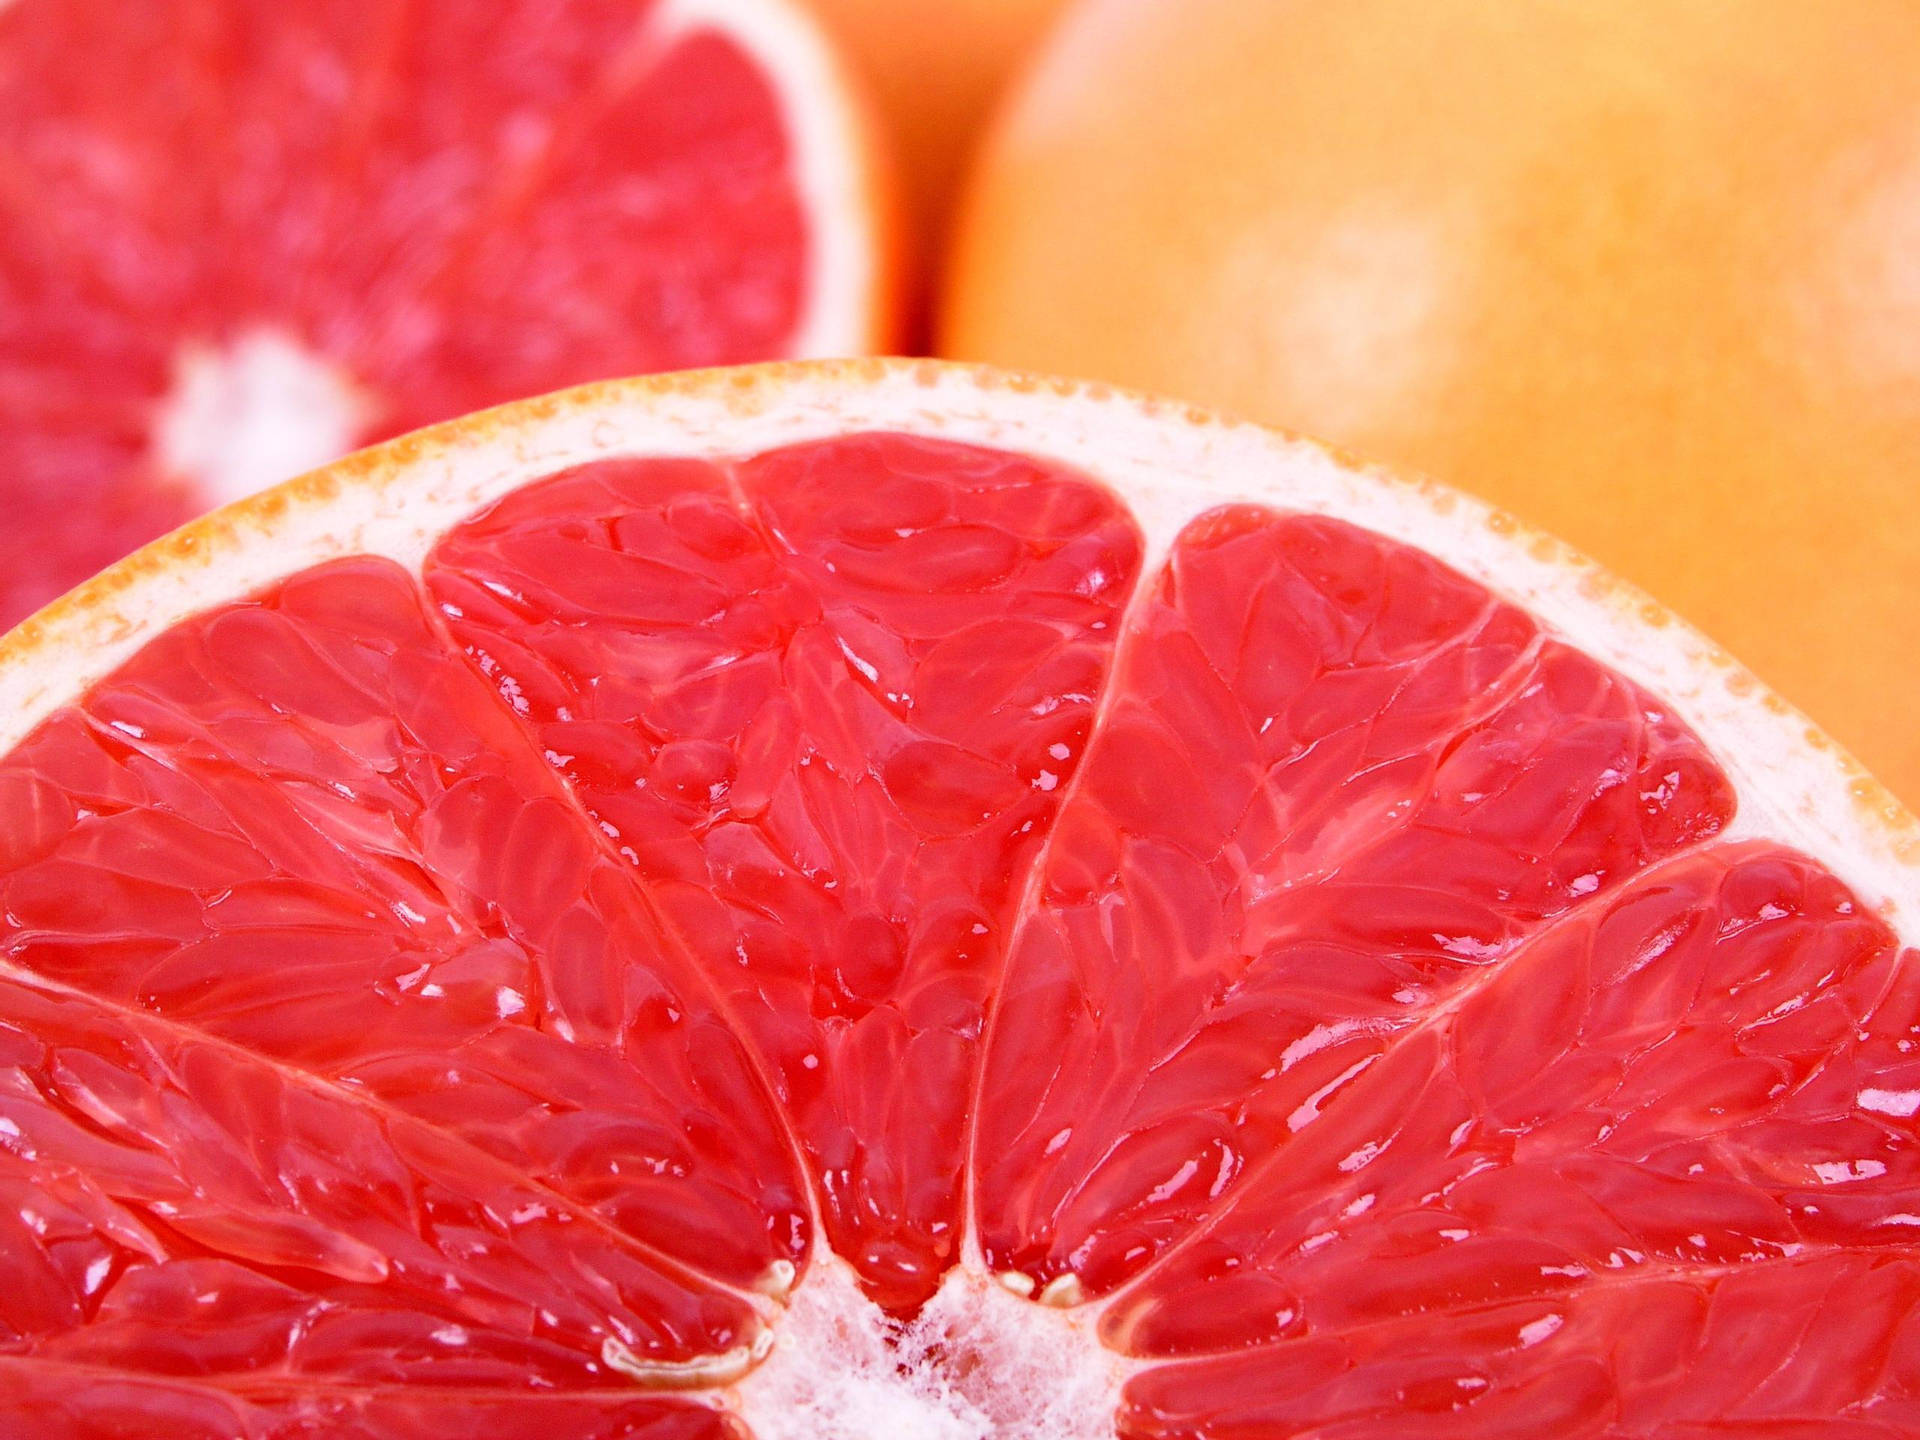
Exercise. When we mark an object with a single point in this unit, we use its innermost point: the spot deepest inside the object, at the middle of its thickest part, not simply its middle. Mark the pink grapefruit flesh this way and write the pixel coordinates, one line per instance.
(767, 865)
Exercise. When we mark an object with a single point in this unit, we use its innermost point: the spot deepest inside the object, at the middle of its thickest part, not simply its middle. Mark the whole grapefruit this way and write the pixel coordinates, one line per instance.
(1647, 274)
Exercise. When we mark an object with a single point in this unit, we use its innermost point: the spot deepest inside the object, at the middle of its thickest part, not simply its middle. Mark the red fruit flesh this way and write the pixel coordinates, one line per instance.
(56, 1403)
(346, 856)
(428, 1003)
(1334, 783)
(1666, 1084)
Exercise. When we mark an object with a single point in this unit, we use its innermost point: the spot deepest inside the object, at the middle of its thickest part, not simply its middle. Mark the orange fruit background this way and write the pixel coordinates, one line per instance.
(933, 71)
(1647, 274)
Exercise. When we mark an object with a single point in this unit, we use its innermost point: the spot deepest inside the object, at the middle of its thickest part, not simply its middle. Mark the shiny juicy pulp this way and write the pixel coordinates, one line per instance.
(448, 205)
(463, 1001)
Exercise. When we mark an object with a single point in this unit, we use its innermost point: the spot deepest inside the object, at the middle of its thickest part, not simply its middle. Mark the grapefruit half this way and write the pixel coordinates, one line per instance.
(239, 239)
(877, 899)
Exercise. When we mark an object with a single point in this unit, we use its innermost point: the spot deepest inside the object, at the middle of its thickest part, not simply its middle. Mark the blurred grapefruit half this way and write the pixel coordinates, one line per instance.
(238, 239)
(884, 899)
(1644, 274)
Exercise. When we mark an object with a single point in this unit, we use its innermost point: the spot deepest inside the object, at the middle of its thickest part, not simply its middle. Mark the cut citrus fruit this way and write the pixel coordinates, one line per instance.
(238, 238)
(872, 898)
(1641, 273)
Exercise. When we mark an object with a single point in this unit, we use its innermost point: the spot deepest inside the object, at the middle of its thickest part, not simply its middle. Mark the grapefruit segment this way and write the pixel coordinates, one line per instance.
(84, 1403)
(316, 777)
(1805, 1349)
(686, 245)
(853, 679)
(1680, 1082)
(907, 901)
(238, 239)
(1334, 782)
(180, 1207)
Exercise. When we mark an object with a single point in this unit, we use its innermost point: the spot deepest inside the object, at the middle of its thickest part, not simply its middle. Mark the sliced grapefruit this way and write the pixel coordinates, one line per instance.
(239, 238)
(883, 899)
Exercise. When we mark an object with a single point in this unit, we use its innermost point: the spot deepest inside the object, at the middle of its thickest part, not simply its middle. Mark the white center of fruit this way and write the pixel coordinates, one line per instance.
(249, 414)
(977, 1362)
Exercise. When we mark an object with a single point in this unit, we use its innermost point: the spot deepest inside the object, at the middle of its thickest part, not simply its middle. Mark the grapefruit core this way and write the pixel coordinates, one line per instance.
(881, 898)
(240, 239)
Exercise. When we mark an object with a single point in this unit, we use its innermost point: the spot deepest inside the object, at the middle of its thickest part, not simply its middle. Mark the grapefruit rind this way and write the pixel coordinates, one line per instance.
(837, 168)
(1169, 461)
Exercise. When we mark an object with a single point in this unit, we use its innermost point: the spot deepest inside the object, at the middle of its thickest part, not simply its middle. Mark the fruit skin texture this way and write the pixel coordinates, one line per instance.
(1644, 273)
(934, 68)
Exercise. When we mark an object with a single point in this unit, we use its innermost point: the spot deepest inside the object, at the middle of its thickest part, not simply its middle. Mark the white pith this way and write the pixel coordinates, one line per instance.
(838, 1368)
(829, 160)
(247, 414)
(978, 1361)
